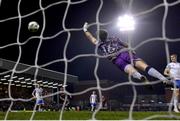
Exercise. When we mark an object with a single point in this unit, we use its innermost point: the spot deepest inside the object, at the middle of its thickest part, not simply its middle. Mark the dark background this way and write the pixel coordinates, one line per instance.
(147, 26)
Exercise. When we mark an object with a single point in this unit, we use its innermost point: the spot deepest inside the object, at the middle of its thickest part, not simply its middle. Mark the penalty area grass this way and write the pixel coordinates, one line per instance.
(86, 115)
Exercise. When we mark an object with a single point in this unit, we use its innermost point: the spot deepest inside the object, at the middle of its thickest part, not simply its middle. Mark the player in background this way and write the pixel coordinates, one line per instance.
(113, 48)
(64, 97)
(37, 93)
(172, 70)
(93, 100)
(104, 102)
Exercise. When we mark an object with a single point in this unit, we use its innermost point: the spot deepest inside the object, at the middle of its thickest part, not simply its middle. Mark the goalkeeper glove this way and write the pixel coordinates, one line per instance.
(85, 27)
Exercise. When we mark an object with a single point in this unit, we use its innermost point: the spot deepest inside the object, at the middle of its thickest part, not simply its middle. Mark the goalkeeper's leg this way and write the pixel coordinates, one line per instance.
(149, 70)
(129, 69)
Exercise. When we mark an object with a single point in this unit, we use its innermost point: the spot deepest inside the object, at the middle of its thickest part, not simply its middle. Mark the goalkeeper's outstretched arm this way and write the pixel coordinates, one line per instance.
(89, 35)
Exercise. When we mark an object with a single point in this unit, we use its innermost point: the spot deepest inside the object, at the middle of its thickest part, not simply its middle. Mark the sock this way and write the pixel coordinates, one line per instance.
(175, 102)
(154, 73)
(92, 108)
(136, 75)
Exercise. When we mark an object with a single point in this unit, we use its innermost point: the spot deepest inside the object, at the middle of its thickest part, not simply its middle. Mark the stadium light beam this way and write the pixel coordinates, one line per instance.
(10, 80)
(29, 86)
(34, 80)
(6, 76)
(16, 81)
(14, 77)
(39, 81)
(64, 85)
(23, 85)
(29, 83)
(50, 83)
(5, 83)
(55, 84)
(21, 78)
(126, 23)
(3, 79)
(45, 82)
(45, 85)
(23, 82)
(28, 79)
(60, 85)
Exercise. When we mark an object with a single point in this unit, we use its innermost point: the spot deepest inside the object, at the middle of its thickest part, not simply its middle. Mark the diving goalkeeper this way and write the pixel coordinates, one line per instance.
(117, 52)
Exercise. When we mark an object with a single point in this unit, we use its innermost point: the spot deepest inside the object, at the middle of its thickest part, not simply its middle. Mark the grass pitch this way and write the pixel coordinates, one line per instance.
(86, 115)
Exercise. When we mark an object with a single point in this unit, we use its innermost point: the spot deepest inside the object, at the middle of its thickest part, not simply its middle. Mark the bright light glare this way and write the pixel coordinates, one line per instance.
(126, 23)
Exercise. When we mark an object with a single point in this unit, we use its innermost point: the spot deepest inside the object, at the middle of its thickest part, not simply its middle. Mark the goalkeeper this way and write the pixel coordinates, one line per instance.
(117, 52)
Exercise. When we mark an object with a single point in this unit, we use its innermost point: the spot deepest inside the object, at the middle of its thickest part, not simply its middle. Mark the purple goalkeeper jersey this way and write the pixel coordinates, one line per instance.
(111, 47)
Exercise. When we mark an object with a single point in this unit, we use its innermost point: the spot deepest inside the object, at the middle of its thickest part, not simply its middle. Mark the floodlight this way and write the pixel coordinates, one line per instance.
(126, 23)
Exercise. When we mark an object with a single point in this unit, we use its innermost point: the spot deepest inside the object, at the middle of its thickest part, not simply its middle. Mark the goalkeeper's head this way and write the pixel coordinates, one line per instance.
(103, 34)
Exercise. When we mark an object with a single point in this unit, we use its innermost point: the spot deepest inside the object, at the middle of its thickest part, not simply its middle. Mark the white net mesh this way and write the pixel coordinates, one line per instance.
(66, 29)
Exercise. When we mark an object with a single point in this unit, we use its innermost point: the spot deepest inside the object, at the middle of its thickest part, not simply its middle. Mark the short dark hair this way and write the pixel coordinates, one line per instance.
(37, 85)
(103, 34)
(174, 55)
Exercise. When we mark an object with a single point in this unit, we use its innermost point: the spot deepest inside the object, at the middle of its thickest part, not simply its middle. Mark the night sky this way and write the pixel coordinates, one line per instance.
(148, 26)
